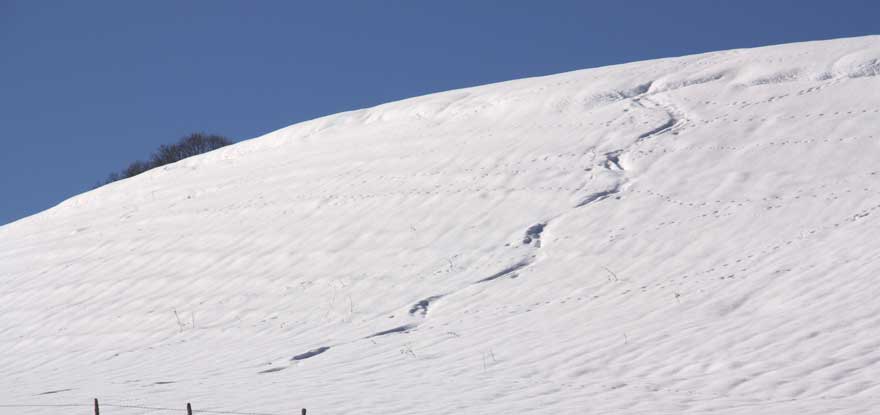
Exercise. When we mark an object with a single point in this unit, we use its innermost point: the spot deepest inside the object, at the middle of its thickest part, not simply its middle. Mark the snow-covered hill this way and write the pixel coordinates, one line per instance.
(677, 236)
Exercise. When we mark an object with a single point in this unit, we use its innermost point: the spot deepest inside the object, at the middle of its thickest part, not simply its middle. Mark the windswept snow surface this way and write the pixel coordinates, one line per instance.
(677, 236)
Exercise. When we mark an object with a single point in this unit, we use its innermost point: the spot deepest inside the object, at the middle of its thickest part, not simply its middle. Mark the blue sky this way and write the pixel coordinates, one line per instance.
(88, 86)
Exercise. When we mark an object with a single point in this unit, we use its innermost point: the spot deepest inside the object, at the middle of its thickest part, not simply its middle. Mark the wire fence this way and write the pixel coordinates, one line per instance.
(99, 408)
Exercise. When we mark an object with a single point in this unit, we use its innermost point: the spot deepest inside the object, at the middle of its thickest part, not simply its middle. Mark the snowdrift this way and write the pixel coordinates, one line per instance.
(677, 236)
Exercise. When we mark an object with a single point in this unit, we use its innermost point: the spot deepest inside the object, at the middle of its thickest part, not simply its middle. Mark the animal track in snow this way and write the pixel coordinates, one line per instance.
(54, 392)
(310, 353)
(399, 329)
(509, 271)
(533, 234)
(612, 160)
(421, 307)
(598, 196)
(272, 370)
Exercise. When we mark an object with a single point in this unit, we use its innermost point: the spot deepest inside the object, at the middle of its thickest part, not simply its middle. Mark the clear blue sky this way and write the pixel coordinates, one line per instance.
(88, 86)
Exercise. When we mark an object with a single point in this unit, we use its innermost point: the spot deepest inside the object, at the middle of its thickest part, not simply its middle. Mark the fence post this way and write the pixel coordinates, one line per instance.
(304, 411)
(97, 411)
(189, 409)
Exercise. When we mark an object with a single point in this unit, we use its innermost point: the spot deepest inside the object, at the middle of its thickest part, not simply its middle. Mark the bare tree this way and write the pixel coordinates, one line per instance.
(191, 145)
(188, 146)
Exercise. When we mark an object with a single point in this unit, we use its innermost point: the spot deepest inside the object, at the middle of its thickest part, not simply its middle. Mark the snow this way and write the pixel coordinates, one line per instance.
(679, 236)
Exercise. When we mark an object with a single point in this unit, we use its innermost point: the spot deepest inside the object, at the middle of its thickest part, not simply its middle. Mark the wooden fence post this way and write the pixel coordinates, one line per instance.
(189, 409)
(97, 411)
(304, 411)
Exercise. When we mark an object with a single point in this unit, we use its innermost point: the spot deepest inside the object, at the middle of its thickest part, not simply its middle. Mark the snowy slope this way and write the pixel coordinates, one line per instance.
(678, 236)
